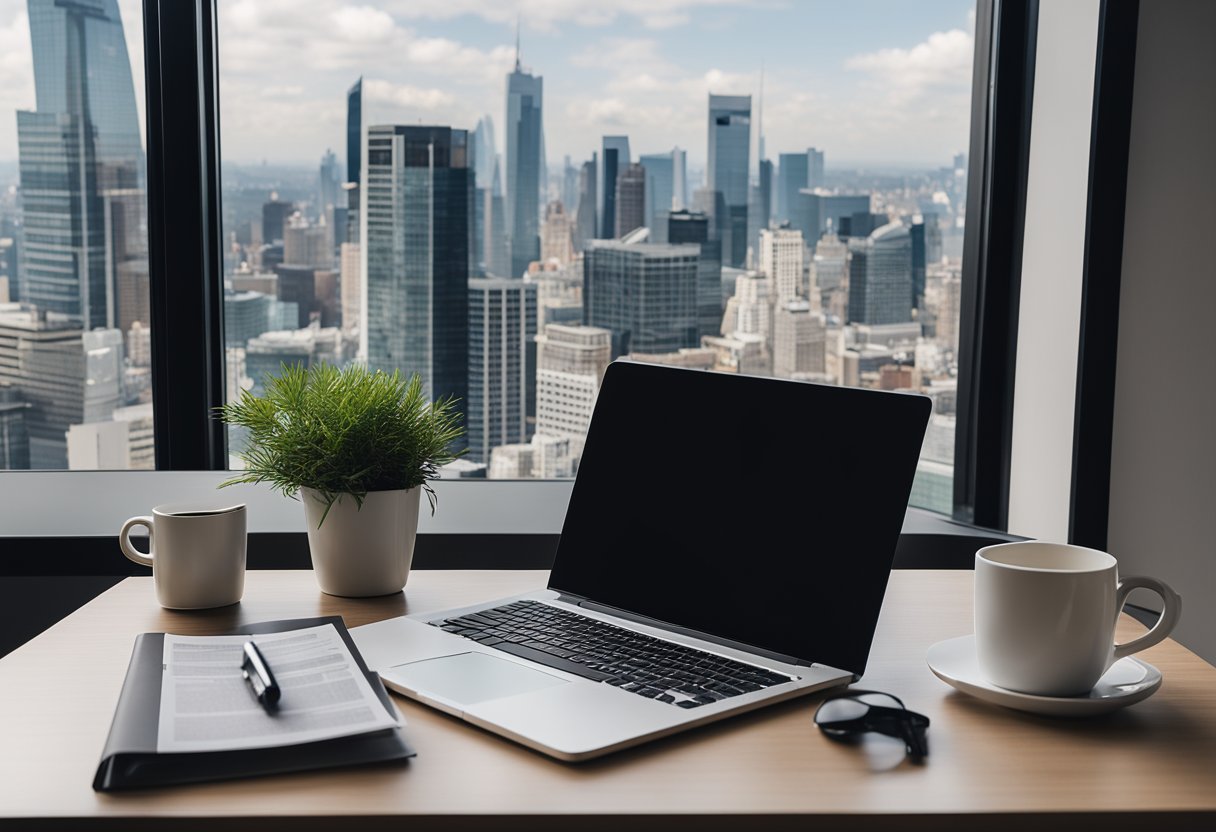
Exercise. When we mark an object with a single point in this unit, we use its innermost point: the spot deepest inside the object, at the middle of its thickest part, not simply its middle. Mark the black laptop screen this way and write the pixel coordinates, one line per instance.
(758, 510)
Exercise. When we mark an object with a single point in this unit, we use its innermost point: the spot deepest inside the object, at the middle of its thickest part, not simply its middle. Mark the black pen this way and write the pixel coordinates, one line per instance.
(257, 673)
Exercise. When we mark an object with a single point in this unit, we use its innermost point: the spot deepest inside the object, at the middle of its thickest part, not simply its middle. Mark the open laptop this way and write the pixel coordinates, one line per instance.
(727, 545)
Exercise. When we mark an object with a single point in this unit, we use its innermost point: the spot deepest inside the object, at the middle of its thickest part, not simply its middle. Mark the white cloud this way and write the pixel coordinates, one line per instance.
(546, 15)
(941, 62)
(377, 91)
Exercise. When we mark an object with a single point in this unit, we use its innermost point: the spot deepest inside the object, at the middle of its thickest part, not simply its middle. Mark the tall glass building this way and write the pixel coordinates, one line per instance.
(525, 93)
(502, 364)
(614, 158)
(645, 293)
(419, 203)
(880, 277)
(730, 129)
(81, 144)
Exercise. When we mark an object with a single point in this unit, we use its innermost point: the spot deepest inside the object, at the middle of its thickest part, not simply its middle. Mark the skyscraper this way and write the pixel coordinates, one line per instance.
(685, 227)
(880, 277)
(781, 259)
(327, 185)
(502, 364)
(419, 192)
(584, 218)
(354, 159)
(81, 143)
(661, 174)
(570, 365)
(814, 213)
(729, 151)
(814, 174)
(630, 199)
(792, 173)
(645, 293)
(614, 159)
(524, 147)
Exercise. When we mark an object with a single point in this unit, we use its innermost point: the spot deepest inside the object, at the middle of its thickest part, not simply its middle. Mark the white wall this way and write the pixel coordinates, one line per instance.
(1163, 466)
(1040, 477)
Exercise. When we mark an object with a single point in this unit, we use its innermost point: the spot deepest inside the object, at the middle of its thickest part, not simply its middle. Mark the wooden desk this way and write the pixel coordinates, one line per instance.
(1153, 763)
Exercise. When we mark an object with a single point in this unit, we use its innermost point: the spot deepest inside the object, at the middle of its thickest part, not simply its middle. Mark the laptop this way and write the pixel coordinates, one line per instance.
(726, 546)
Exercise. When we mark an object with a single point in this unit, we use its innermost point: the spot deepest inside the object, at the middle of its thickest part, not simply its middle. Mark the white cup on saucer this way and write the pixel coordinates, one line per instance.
(1045, 616)
(197, 553)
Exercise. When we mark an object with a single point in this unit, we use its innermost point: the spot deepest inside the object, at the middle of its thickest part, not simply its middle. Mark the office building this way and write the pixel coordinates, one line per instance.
(570, 362)
(484, 156)
(298, 285)
(124, 441)
(249, 314)
(661, 176)
(830, 275)
(880, 277)
(557, 235)
(781, 259)
(354, 159)
(727, 172)
(274, 219)
(569, 194)
(80, 143)
(502, 364)
(306, 244)
(350, 286)
(614, 158)
(815, 177)
(860, 224)
(545, 457)
(585, 214)
(66, 376)
(646, 294)
(740, 352)
(792, 177)
(917, 238)
(559, 292)
(419, 188)
(630, 199)
(799, 340)
(685, 227)
(14, 432)
(816, 213)
(328, 182)
(525, 142)
(126, 257)
(759, 207)
(750, 309)
(270, 352)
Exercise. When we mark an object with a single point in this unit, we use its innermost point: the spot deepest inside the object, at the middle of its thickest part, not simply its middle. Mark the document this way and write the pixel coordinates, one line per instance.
(207, 705)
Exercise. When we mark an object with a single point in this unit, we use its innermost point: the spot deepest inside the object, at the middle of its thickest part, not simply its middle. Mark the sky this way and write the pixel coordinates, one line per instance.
(873, 83)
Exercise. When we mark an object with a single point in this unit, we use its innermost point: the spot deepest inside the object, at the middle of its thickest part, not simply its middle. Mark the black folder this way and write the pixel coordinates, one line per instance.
(130, 759)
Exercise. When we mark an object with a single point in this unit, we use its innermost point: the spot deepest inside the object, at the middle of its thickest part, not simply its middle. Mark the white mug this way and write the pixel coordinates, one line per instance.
(1045, 616)
(197, 553)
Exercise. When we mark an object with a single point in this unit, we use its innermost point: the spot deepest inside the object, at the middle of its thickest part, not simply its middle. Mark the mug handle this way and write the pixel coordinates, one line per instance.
(1165, 624)
(124, 541)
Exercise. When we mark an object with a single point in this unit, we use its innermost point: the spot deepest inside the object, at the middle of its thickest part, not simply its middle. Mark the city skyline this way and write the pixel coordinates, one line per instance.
(887, 95)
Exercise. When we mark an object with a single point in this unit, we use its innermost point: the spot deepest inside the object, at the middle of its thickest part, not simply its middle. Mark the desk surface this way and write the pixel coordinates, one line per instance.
(1159, 756)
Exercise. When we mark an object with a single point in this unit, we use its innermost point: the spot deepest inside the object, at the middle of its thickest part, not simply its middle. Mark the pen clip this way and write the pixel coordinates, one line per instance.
(259, 676)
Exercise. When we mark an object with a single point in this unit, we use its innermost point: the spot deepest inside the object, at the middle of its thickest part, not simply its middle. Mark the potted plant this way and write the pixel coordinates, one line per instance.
(359, 447)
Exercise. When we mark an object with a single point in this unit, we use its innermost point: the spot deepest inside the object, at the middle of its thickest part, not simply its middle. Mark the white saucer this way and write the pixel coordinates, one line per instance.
(1128, 681)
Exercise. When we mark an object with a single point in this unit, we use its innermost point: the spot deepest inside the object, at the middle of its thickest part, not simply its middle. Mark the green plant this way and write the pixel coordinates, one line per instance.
(343, 431)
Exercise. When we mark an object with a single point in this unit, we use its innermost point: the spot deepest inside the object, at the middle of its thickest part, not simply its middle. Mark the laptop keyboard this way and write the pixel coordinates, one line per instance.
(602, 652)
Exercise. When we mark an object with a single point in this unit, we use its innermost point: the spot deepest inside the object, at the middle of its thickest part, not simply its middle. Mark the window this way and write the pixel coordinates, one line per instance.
(503, 200)
(75, 338)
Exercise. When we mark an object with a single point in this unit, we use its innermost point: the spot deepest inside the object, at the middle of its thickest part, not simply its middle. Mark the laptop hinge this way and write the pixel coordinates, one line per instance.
(594, 606)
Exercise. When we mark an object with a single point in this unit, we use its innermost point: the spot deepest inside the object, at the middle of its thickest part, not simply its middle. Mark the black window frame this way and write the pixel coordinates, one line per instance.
(186, 248)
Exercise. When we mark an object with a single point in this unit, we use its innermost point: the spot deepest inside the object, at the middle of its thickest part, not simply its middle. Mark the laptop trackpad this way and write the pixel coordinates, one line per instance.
(468, 678)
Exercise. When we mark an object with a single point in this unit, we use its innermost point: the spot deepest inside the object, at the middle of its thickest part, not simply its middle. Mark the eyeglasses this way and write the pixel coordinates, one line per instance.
(858, 711)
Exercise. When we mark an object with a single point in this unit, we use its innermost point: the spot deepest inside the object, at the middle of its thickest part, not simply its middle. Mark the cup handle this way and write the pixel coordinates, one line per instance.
(1165, 624)
(124, 540)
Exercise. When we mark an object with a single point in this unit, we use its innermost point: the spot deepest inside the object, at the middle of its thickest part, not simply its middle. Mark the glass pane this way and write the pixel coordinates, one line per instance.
(504, 197)
(75, 348)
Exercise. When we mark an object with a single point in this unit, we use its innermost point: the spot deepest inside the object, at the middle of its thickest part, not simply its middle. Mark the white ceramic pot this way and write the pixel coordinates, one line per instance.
(362, 551)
